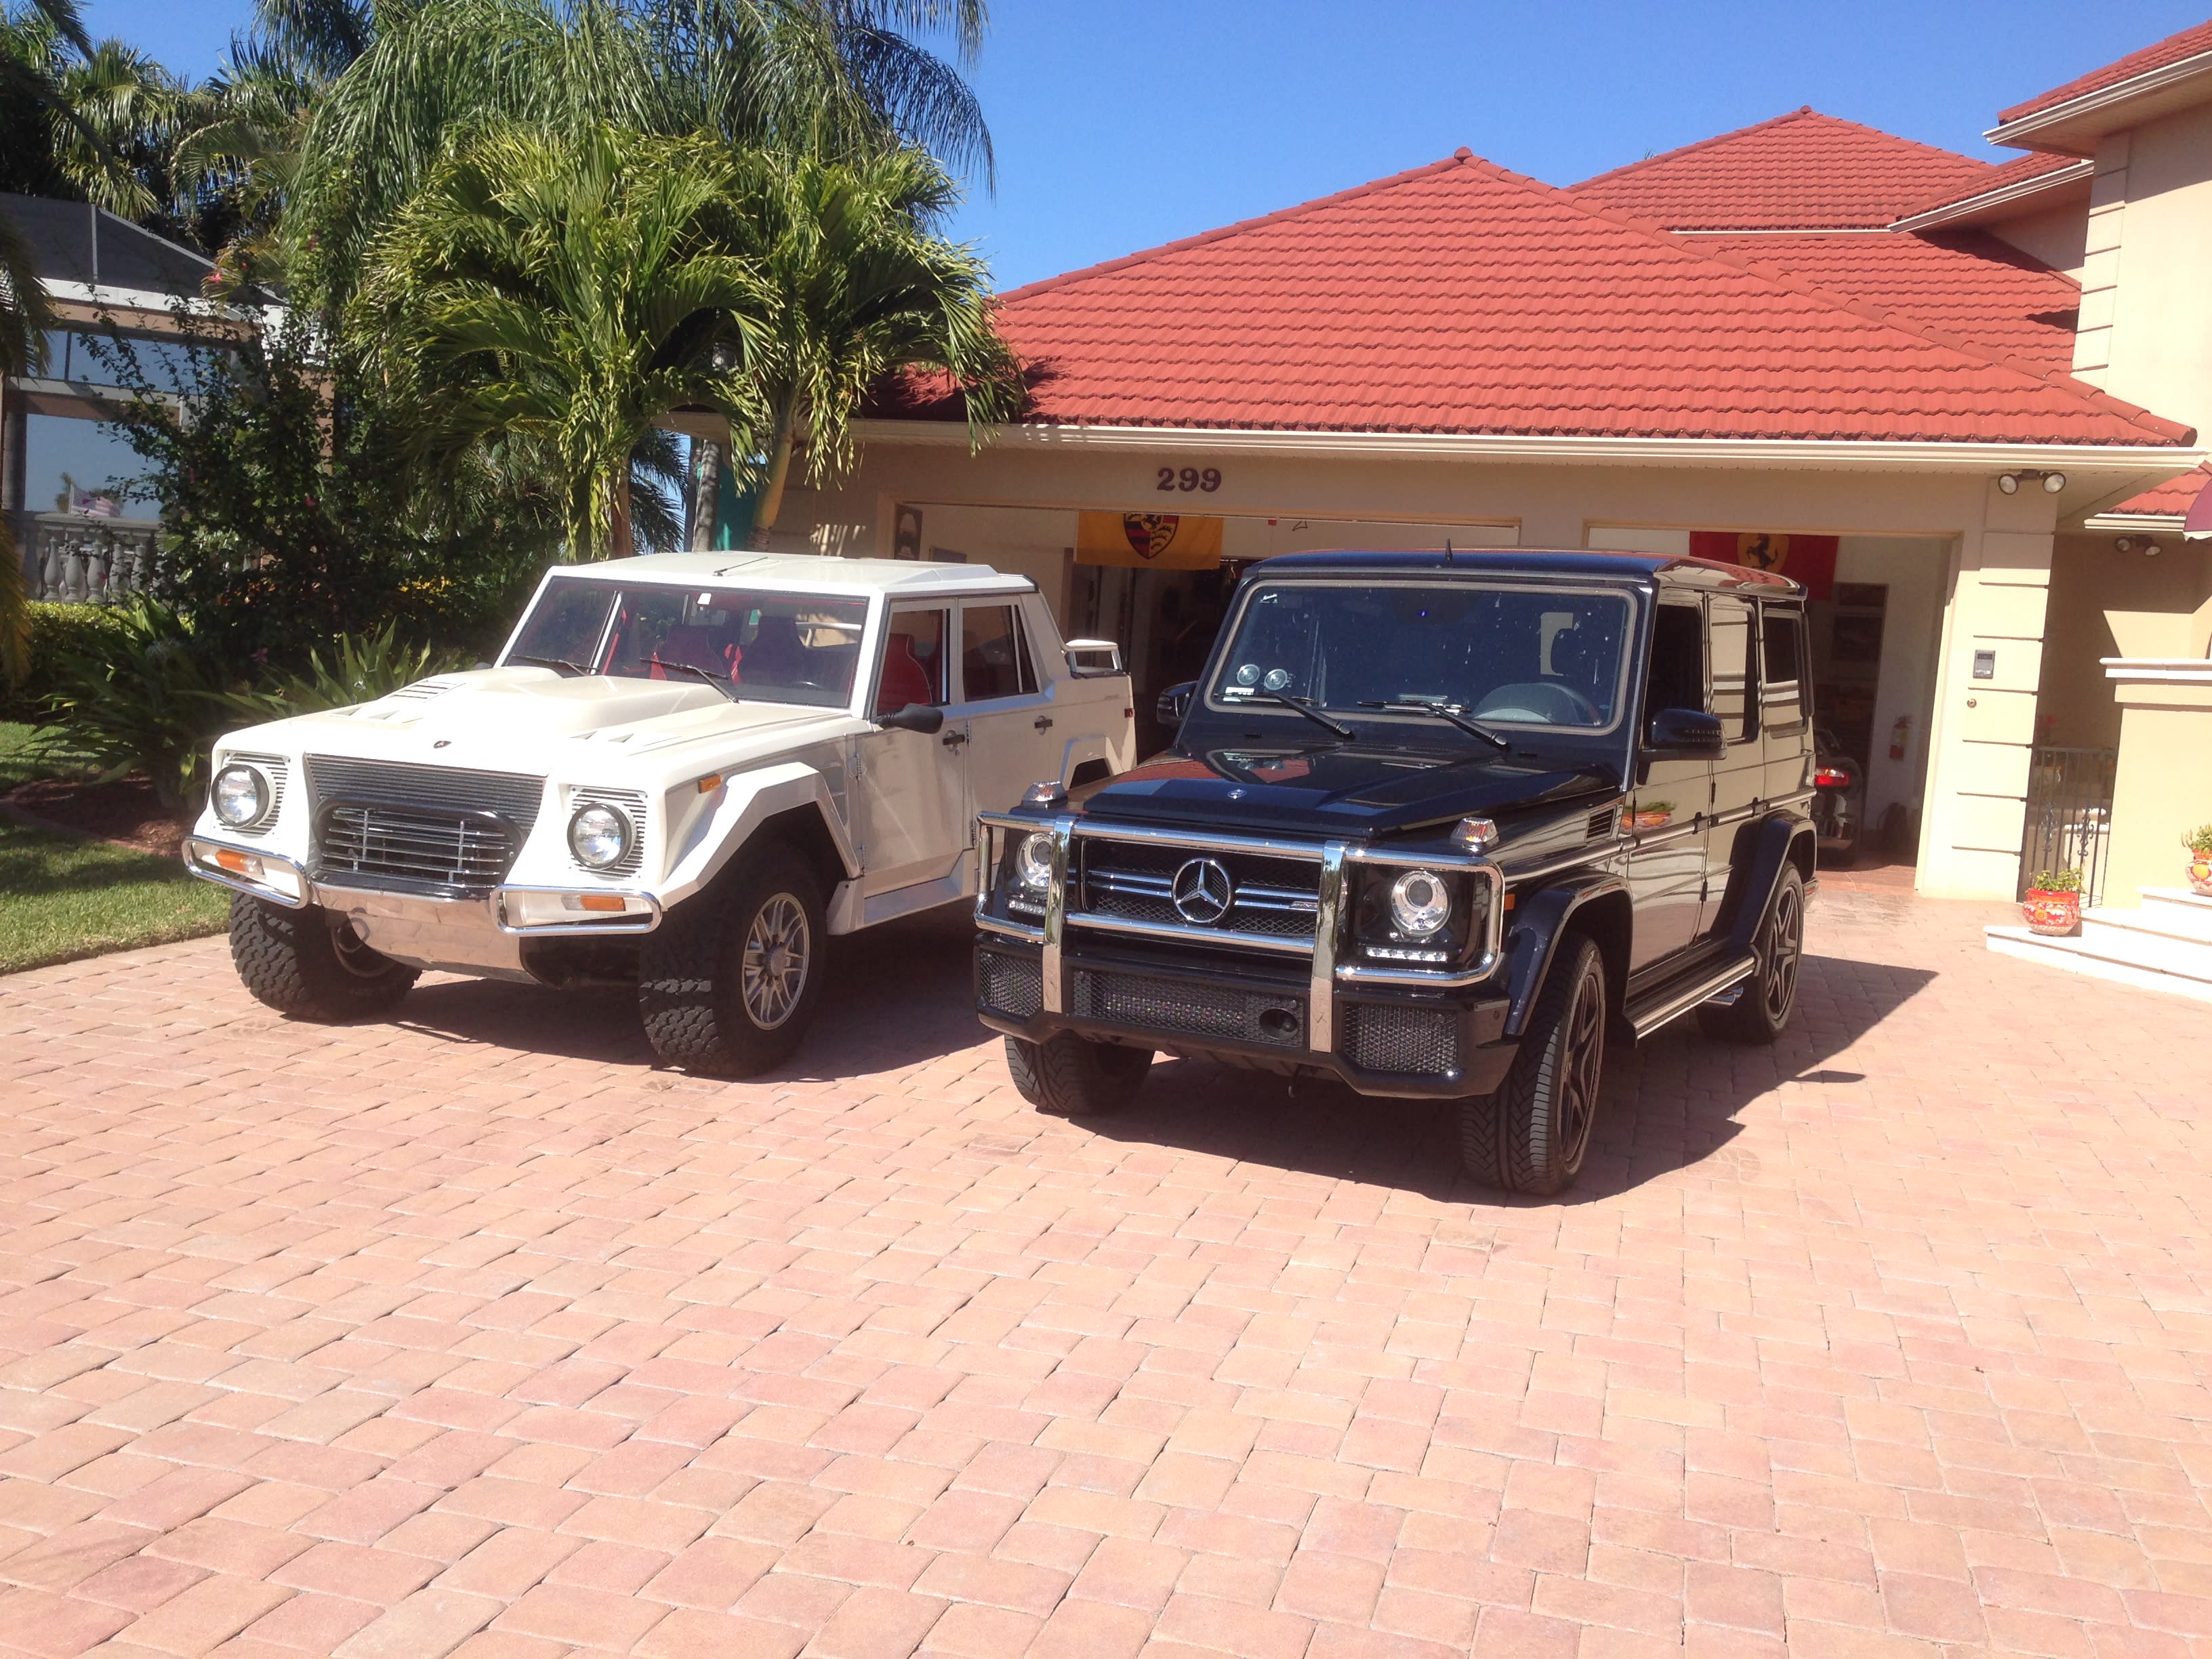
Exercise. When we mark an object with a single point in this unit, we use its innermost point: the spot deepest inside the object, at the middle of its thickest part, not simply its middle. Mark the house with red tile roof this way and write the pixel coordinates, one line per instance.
(1912, 370)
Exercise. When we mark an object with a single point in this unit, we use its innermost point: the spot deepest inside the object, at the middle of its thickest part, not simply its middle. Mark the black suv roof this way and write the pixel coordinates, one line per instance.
(1664, 569)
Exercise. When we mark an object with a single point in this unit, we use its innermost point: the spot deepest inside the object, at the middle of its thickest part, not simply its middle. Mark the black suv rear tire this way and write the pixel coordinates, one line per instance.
(1531, 1135)
(715, 982)
(1762, 1008)
(309, 963)
(1071, 1076)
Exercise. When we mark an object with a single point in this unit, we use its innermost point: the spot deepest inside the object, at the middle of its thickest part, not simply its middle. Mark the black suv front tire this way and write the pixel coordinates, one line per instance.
(1531, 1135)
(1071, 1076)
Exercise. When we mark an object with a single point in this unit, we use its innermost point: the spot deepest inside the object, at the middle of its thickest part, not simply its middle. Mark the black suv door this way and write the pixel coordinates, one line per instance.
(1740, 770)
(1666, 809)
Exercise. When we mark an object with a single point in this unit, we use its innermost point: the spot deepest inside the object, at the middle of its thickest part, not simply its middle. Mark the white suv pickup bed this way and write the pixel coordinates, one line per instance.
(686, 772)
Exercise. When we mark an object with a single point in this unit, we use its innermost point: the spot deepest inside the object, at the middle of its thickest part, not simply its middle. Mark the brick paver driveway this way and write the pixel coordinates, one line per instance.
(471, 1332)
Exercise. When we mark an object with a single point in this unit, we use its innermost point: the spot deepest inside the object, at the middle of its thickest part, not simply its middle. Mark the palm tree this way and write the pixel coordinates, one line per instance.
(836, 75)
(863, 290)
(563, 293)
(25, 313)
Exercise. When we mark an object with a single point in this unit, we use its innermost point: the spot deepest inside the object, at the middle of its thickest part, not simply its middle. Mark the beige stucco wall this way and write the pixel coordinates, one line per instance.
(2056, 235)
(1989, 552)
(2146, 329)
(2090, 577)
(2164, 786)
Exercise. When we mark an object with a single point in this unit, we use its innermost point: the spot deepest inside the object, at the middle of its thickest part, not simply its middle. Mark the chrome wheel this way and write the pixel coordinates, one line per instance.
(779, 950)
(1583, 1065)
(1785, 944)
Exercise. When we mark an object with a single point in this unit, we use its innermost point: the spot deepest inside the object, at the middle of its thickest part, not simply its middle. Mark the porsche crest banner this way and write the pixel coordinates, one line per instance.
(1807, 559)
(1156, 541)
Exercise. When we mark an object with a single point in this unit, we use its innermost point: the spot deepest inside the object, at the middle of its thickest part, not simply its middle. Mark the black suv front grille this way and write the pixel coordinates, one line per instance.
(436, 826)
(1013, 985)
(1134, 881)
(1184, 1008)
(1379, 1037)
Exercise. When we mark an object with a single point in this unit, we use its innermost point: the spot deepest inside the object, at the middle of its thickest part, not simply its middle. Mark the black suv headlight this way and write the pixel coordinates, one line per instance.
(1416, 916)
(1022, 874)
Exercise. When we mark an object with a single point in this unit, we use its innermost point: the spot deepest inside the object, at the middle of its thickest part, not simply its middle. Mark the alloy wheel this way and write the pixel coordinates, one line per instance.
(1582, 1066)
(1785, 943)
(779, 950)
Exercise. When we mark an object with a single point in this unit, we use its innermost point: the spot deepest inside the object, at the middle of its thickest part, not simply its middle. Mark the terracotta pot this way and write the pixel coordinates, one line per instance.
(2055, 915)
(2198, 870)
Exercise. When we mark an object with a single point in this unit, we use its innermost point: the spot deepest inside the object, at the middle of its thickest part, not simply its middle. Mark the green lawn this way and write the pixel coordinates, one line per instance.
(64, 897)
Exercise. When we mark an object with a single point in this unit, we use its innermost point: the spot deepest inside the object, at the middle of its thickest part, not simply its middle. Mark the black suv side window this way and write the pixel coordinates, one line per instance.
(1677, 678)
(1732, 667)
(1782, 694)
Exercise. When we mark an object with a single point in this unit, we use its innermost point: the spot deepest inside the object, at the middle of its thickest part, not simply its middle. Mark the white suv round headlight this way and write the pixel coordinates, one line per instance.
(239, 795)
(598, 835)
(1420, 904)
(1033, 861)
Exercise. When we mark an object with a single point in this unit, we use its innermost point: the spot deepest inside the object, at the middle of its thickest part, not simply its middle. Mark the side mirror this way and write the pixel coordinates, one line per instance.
(1685, 731)
(1090, 660)
(924, 717)
(1175, 703)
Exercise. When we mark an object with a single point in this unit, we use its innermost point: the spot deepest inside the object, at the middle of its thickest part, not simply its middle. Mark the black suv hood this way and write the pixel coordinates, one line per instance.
(1351, 793)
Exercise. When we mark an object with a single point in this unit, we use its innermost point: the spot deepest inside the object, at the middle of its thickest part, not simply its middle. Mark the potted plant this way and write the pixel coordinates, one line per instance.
(2199, 867)
(2052, 904)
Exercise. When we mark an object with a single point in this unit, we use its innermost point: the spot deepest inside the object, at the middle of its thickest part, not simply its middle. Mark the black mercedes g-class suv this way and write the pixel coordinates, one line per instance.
(1434, 825)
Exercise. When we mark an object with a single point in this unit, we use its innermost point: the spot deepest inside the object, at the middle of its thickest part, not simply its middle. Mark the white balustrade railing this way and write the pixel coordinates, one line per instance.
(71, 558)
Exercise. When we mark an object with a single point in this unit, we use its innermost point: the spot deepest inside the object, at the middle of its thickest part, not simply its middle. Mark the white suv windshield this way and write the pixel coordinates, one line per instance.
(767, 647)
(1502, 656)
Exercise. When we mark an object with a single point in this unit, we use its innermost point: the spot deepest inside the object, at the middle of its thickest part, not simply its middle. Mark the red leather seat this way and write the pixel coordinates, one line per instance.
(905, 680)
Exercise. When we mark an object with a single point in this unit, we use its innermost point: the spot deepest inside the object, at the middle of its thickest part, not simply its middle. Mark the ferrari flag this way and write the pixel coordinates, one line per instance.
(1158, 541)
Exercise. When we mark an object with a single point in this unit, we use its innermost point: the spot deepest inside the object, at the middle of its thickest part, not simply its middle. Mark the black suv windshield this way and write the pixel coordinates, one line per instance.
(1504, 656)
(764, 648)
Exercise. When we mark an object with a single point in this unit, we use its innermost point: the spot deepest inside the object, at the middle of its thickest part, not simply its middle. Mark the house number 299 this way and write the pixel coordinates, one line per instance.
(1187, 478)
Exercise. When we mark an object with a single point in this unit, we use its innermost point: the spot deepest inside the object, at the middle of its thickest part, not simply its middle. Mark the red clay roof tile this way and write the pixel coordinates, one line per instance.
(1963, 283)
(1802, 170)
(1460, 298)
(2189, 43)
(2017, 171)
(2172, 499)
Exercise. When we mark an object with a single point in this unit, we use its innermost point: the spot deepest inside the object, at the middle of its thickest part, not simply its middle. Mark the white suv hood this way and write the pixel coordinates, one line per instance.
(532, 720)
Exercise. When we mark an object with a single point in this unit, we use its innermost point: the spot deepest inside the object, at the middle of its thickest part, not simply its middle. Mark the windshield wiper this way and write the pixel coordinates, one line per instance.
(719, 682)
(575, 668)
(1444, 711)
(1344, 733)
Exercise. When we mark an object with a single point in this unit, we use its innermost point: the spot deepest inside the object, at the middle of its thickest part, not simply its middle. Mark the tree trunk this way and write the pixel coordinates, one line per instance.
(771, 496)
(625, 544)
(706, 492)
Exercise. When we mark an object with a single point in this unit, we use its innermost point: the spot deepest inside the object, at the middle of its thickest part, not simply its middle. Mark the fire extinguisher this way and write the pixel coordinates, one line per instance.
(1898, 733)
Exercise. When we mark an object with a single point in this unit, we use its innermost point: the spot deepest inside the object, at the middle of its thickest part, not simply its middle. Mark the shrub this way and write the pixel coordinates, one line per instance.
(2199, 841)
(57, 630)
(2057, 881)
(144, 694)
(362, 667)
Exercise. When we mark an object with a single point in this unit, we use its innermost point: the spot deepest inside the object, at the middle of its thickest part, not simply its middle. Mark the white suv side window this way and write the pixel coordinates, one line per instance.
(914, 660)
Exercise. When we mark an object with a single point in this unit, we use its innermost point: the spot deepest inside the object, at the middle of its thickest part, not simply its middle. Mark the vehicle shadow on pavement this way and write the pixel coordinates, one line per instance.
(1671, 1102)
(896, 995)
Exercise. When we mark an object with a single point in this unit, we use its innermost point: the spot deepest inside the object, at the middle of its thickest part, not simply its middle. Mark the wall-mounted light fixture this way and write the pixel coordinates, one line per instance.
(2147, 547)
(2052, 481)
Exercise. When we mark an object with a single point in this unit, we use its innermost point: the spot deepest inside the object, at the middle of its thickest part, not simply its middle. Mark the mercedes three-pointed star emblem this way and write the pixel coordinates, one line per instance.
(1202, 891)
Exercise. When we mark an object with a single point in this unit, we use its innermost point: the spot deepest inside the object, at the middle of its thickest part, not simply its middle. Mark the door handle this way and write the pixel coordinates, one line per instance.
(954, 738)
(1044, 722)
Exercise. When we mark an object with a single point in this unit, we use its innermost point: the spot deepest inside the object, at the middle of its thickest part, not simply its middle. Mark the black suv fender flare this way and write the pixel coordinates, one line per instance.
(1540, 920)
(1762, 850)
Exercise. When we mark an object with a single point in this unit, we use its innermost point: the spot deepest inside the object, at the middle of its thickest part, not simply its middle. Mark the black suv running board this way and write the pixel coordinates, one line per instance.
(1647, 1014)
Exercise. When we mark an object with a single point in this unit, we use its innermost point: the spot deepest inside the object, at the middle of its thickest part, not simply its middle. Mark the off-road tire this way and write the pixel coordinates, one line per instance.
(1530, 1136)
(1071, 1076)
(691, 987)
(1762, 1008)
(297, 963)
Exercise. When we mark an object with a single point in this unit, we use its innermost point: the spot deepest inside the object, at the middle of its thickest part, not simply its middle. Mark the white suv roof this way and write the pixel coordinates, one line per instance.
(804, 572)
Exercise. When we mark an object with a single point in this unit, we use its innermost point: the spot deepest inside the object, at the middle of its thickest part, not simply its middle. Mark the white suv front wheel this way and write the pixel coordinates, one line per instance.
(728, 984)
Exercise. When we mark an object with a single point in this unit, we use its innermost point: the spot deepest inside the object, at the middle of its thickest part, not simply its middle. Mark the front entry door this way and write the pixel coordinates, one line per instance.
(1670, 808)
(912, 817)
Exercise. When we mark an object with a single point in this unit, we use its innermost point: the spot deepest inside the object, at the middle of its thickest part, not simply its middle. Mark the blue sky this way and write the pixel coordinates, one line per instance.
(1122, 124)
